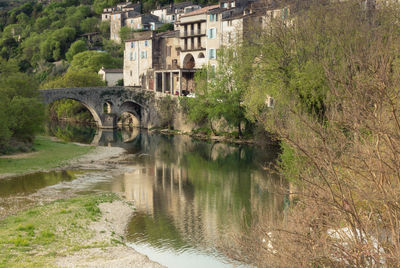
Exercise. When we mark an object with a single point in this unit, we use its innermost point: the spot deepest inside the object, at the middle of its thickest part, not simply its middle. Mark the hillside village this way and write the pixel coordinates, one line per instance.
(166, 61)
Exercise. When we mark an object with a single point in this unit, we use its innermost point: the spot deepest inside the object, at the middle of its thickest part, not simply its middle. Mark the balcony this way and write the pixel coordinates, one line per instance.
(192, 33)
(195, 48)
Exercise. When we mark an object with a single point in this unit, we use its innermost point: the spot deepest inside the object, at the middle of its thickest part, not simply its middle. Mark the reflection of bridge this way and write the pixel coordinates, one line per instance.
(110, 137)
(107, 104)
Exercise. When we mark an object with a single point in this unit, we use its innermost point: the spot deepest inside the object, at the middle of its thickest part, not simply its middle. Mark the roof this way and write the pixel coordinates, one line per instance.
(200, 11)
(168, 34)
(137, 36)
(113, 70)
(178, 5)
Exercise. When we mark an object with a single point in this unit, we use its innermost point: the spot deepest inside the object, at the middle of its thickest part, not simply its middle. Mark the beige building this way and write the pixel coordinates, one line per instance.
(138, 60)
(122, 7)
(142, 22)
(193, 38)
(111, 76)
(170, 13)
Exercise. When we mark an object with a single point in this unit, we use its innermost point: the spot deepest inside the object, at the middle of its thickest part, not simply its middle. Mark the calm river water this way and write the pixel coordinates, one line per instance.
(194, 199)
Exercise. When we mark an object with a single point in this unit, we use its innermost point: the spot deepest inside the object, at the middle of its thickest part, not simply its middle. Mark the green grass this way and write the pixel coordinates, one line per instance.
(51, 154)
(34, 238)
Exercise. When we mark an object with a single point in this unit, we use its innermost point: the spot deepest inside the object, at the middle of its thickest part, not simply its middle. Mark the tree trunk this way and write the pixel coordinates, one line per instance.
(212, 129)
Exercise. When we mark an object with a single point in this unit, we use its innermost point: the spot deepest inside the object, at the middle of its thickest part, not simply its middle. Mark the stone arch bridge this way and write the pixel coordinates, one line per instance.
(107, 104)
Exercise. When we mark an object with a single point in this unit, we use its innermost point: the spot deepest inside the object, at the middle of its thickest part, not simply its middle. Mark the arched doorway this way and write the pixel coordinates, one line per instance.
(189, 62)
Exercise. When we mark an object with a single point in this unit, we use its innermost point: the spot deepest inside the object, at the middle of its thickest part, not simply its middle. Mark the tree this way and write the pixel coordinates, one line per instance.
(21, 112)
(333, 71)
(166, 27)
(220, 93)
(76, 47)
(76, 78)
(89, 25)
(94, 60)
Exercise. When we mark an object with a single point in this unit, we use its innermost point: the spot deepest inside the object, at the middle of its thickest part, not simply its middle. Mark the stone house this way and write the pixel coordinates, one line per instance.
(138, 60)
(170, 13)
(193, 38)
(122, 7)
(152, 61)
(111, 76)
(142, 22)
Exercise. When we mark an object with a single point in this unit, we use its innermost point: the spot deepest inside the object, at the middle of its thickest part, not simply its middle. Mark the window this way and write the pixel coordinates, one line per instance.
(169, 51)
(225, 5)
(143, 55)
(213, 68)
(131, 56)
(173, 17)
(131, 73)
(146, 43)
(118, 16)
(134, 56)
(131, 21)
(132, 44)
(212, 33)
(212, 53)
(213, 17)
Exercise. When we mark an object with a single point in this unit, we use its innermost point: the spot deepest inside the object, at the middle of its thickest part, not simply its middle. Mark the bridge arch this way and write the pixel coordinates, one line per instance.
(133, 109)
(92, 111)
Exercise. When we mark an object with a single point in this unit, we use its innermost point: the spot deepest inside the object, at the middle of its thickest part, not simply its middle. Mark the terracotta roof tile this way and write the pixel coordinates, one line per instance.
(200, 11)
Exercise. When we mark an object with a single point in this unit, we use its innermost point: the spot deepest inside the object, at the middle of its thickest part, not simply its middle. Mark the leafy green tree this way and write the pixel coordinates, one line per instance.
(76, 47)
(99, 5)
(89, 25)
(76, 78)
(94, 60)
(125, 33)
(165, 27)
(21, 112)
(219, 93)
(105, 29)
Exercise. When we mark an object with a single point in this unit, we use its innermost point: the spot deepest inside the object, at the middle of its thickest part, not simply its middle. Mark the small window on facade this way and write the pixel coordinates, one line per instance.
(212, 33)
(131, 73)
(211, 17)
(146, 43)
(134, 56)
(131, 56)
(212, 53)
(132, 44)
(213, 68)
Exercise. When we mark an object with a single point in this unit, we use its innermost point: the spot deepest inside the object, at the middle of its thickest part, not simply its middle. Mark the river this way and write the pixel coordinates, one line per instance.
(194, 199)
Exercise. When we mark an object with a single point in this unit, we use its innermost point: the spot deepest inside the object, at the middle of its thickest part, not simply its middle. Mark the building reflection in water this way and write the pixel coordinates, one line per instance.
(192, 194)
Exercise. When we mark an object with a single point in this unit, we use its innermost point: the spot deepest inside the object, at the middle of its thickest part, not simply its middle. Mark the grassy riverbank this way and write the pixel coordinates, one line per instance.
(36, 237)
(48, 154)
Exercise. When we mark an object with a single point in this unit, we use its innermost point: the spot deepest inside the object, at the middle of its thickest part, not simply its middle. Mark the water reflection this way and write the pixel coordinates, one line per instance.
(195, 196)
(32, 182)
(194, 199)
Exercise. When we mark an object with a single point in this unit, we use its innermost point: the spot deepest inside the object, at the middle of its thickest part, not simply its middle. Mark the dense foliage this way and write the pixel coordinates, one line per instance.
(21, 111)
(333, 72)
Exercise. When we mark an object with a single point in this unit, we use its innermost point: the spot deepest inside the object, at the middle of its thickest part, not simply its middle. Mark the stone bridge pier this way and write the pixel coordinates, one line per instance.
(107, 104)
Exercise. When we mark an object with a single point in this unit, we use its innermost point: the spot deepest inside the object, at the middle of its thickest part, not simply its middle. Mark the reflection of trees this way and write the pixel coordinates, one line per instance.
(71, 132)
(158, 231)
(33, 182)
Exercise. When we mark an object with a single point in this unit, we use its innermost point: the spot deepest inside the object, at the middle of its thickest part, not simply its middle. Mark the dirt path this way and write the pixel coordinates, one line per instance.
(115, 217)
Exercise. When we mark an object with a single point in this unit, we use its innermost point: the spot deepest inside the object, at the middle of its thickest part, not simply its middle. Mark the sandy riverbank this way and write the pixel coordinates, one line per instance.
(98, 158)
(115, 217)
